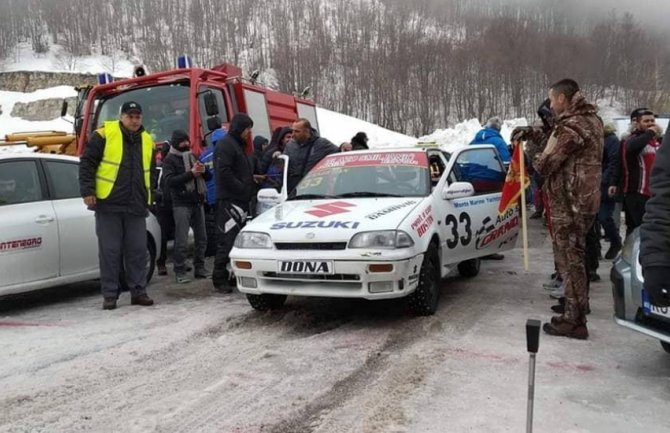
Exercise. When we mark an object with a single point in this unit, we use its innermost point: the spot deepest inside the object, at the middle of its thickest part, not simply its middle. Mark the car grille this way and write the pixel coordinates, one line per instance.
(334, 277)
(327, 246)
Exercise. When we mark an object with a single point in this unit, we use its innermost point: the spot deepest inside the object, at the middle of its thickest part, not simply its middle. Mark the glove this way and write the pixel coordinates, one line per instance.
(520, 133)
(657, 285)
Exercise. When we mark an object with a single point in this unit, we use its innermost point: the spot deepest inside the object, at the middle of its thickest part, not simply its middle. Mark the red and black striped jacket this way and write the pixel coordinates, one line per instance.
(638, 155)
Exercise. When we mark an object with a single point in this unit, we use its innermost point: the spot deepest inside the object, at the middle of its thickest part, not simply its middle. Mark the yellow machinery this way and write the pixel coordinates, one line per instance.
(43, 141)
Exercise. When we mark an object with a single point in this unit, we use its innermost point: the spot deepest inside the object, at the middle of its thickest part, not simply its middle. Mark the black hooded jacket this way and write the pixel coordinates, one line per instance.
(275, 146)
(655, 229)
(234, 172)
(176, 177)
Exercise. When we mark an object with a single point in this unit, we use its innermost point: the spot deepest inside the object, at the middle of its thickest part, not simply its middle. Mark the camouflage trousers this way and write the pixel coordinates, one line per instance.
(569, 254)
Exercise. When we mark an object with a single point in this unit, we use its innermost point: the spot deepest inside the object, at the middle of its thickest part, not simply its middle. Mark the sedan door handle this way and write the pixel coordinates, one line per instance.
(44, 219)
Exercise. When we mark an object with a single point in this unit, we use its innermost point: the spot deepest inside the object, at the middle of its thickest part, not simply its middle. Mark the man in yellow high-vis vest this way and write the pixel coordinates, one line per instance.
(115, 181)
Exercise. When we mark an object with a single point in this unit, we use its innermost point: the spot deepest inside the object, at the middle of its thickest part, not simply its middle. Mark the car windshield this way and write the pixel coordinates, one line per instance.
(164, 108)
(383, 174)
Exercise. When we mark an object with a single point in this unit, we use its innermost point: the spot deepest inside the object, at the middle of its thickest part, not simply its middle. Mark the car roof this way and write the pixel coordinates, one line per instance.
(36, 155)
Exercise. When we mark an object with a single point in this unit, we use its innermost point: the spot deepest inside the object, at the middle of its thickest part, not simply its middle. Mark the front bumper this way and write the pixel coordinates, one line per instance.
(350, 279)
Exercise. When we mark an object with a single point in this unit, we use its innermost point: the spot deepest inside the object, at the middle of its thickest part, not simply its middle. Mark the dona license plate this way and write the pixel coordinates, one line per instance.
(319, 267)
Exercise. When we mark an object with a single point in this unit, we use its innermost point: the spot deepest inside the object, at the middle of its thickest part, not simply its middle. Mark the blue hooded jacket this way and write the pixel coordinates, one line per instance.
(492, 136)
(207, 158)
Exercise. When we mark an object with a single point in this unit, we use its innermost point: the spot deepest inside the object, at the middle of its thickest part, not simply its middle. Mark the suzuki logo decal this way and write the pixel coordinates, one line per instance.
(329, 209)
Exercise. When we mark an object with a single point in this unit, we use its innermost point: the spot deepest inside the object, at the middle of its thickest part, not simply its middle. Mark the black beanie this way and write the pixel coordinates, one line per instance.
(178, 136)
(240, 122)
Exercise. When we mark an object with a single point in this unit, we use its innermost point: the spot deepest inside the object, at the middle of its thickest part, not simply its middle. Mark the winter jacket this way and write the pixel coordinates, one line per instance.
(275, 146)
(611, 159)
(207, 158)
(129, 194)
(492, 136)
(176, 177)
(572, 161)
(637, 156)
(233, 172)
(655, 229)
(302, 157)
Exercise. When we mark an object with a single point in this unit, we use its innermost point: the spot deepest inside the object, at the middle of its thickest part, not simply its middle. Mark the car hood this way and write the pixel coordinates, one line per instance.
(332, 220)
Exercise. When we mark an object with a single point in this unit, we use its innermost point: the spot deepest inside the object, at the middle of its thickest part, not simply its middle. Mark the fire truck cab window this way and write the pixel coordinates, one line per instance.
(165, 107)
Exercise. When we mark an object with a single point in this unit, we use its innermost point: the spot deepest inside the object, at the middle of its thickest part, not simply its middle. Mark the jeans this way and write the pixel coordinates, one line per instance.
(605, 217)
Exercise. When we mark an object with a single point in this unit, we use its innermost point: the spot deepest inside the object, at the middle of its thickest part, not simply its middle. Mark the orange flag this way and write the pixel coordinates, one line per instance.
(512, 188)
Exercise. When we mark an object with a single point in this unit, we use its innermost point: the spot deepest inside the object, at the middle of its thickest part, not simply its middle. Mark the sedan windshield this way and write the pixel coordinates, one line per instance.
(383, 174)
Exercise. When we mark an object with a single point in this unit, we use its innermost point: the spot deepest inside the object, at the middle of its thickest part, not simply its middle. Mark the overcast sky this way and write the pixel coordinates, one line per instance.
(654, 12)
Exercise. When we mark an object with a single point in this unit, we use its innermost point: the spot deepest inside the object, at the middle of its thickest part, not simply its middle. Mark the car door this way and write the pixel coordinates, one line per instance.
(76, 224)
(455, 228)
(478, 215)
(28, 230)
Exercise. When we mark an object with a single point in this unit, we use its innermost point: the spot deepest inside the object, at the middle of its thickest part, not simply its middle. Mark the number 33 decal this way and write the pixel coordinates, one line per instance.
(463, 219)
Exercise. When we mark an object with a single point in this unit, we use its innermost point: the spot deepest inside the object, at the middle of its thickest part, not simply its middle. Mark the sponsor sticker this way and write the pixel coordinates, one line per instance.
(423, 222)
(491, 232)
(390, 209)
(15, 245)
(417, 159)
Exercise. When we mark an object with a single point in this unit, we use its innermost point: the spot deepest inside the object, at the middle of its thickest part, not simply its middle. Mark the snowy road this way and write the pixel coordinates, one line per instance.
(204, 362)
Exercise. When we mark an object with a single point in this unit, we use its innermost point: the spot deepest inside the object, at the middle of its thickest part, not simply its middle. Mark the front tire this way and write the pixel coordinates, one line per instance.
(469, 268)
(266, 301)
(666, 346)
(424, 300)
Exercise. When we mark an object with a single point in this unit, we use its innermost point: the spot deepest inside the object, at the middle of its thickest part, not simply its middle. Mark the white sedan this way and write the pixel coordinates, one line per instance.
(47, 236)
(378, 224)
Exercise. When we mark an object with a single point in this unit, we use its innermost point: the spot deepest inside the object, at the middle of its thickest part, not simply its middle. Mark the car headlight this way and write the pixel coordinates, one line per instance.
(381, 239)
(255, 240)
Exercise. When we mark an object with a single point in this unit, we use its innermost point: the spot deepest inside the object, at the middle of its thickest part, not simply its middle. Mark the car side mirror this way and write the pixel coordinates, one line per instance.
(458, 190)
(211, 106)
(214, 123)
(268, 195)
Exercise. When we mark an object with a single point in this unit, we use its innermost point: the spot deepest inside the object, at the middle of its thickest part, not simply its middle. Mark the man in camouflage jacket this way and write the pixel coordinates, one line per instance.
(571, 164)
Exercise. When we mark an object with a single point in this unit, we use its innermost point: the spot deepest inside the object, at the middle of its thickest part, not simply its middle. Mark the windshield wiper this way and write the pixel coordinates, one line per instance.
(310, 197)
(367, 194)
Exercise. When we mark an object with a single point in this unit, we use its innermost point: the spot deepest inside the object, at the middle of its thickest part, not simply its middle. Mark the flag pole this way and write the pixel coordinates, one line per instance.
(523, 210)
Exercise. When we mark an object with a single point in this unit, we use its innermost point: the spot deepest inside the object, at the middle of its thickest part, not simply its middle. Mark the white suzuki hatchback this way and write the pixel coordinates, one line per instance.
(47, 235)
(378, 224)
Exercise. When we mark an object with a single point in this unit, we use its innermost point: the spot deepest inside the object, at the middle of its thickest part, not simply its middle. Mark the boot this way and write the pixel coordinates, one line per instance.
(222, 286)
(201, 272)
(593, 276)
(162, 270)
(142, 300)
(536, 215)
(182, 278)
(613, 251)
(566, 329)
(109, 304)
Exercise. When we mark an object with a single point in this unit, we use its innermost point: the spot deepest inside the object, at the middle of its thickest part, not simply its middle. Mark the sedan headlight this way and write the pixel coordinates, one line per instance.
(381, 239)
(255, 240)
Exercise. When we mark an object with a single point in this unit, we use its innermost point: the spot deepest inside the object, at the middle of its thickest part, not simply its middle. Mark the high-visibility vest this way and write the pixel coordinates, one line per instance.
(108, 170)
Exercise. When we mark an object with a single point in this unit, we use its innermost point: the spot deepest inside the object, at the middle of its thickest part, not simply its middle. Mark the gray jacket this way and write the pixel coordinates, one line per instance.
(655, 229)
(302, 157)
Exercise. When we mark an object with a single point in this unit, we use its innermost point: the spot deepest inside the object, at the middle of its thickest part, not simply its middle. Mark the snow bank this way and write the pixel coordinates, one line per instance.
(339, 128)
(463, 133)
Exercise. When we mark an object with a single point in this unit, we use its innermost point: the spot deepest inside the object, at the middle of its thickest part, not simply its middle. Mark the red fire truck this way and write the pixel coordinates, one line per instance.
(193, 99)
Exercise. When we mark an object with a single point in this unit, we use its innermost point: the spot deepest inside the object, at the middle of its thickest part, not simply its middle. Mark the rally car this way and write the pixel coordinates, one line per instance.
(378, 224)
(47, 236)
(633, 308)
